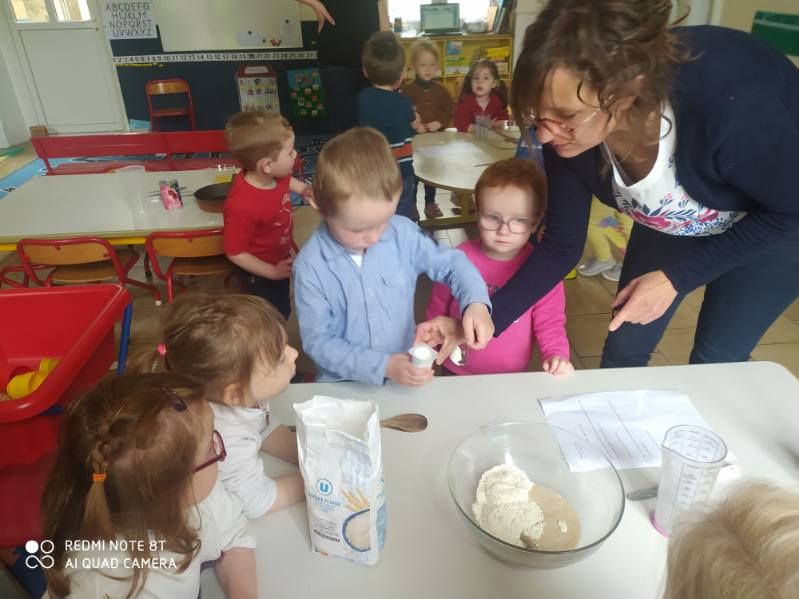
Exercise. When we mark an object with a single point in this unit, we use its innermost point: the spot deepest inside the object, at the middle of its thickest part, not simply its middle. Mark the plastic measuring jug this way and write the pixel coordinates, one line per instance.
(692, 458)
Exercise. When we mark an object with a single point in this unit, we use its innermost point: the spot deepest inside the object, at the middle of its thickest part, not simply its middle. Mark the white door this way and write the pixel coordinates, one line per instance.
(67, 64)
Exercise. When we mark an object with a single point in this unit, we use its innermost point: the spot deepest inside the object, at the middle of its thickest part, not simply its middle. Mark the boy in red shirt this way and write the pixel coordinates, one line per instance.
(258, 218)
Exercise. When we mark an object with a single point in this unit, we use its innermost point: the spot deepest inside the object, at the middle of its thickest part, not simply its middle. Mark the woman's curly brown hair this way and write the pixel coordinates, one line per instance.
(607, 44)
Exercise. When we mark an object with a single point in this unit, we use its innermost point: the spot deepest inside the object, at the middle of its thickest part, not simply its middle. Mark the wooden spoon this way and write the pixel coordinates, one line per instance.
(407, 423)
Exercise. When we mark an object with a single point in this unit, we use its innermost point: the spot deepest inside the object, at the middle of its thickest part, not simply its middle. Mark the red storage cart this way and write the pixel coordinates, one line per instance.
(75, 325)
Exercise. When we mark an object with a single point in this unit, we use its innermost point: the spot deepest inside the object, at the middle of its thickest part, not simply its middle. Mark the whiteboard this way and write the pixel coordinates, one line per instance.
(188, 25)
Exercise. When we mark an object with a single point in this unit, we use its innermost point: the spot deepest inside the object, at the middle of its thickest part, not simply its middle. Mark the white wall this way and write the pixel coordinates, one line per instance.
(700, 14)
(13, 130)
(526, 11)
(16, 109)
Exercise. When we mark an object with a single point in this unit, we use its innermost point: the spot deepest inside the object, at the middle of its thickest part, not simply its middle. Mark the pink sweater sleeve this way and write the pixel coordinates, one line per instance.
(549, 324)
(440, 302)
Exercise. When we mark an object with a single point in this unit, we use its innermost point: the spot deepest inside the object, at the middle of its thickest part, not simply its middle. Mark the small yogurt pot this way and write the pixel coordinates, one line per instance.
(422, 355)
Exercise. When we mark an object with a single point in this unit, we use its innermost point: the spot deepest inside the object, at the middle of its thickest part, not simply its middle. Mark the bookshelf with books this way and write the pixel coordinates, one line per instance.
(458, 52)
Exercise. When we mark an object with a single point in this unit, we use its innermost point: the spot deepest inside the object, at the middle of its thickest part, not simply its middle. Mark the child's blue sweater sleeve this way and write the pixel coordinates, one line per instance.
(446, 265)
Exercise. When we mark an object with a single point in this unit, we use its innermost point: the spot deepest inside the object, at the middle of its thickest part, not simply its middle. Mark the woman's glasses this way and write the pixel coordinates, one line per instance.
(558, 127)
(218, 449)
(492, 222)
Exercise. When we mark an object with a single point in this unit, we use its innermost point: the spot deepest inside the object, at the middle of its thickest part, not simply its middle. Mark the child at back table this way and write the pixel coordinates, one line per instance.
(382, 107)
(432, 102)
(511, 201)
(258, 217)
(237, 346)
(137, 461)
(355, 278)
(745, 548)
(483, 94)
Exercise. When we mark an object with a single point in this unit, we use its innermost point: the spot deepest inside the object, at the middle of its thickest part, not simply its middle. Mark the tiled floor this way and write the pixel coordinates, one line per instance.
(12, 163)
(588, 307)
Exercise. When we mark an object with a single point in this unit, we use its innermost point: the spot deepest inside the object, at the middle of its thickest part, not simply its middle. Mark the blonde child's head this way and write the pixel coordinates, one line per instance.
(125, 468)
(746, 548)
(482, 80)
(356, 186)
(424, 57)
(236, 345)
(383, 59)
(260, 141)
(355, 164)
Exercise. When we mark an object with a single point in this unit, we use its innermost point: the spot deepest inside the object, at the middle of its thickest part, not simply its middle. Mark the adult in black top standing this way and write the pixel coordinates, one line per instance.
(344, 27)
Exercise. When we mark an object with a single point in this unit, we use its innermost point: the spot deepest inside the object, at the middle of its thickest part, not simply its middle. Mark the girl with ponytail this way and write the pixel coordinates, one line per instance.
(133, 505)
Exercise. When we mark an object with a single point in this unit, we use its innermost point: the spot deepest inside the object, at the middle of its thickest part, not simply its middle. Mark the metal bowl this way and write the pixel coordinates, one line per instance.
(211, 198)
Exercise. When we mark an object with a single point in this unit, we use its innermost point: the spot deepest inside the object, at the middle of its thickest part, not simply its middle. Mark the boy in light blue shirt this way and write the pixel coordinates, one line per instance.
(355, 278)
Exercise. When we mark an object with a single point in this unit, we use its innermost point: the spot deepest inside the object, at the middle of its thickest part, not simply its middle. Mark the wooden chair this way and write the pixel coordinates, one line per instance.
(163, 87)
(193, 253)
(79, 260)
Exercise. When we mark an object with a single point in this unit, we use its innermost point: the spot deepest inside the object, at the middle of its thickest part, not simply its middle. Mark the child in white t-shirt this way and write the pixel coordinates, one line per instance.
(237, 346)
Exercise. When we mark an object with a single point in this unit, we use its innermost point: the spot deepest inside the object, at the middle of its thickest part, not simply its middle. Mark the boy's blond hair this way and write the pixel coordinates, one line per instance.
(383, 58)
(421, 47)
(255, 134)
(746, 548)
(358, 162)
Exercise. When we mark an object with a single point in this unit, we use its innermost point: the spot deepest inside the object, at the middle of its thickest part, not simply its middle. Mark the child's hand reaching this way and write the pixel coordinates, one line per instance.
(477, 326)
(417, 124)
(433, 126)
(282, 270)
(402, 371)
(557, 365)
(441, 330)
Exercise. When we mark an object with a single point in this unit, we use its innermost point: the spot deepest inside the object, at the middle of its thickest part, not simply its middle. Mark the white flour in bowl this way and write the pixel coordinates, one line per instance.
(509, 506)
(503, 506)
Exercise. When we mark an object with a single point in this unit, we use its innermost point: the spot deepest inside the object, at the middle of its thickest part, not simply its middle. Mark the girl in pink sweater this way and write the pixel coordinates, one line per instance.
(483, 94)
(511, 201)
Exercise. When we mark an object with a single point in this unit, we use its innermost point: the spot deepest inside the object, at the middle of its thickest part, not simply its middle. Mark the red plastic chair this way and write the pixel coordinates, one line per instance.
(79, 260)
(193, 253)
(163, 87)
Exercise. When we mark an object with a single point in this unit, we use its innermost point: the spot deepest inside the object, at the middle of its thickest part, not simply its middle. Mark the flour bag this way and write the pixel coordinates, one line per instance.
(339, 450)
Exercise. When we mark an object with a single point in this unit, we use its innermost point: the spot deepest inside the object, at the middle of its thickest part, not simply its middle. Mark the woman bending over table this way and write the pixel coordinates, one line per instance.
(691, 131)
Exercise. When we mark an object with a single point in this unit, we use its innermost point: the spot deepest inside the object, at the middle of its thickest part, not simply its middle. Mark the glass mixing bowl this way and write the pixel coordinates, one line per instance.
(596, 496)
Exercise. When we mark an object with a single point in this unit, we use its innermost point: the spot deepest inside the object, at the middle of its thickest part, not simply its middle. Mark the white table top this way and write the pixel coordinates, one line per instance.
(71, 205)
(454, 161)
(430, 553)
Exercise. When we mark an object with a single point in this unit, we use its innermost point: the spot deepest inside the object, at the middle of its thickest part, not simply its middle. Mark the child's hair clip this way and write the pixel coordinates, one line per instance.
(177, 400)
